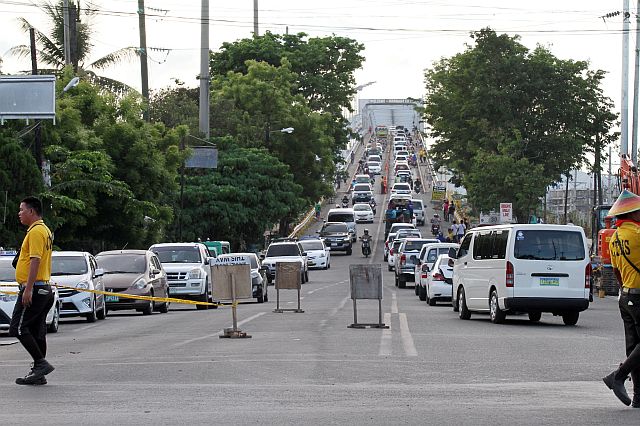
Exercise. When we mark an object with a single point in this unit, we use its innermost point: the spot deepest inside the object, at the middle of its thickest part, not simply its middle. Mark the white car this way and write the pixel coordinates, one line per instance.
(79, 269)
(393, 249)
(401, 188)
(363, 212)
(438, 283)
(403, 152)
(375, 158)
(8, 301)
(426, 258)
(318, 255)
(374, 167)
(285, 251)
(400, 158)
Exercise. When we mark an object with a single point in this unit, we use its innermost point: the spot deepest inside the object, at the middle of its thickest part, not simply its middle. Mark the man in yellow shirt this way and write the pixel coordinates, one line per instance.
(33, 271)
(625, 259)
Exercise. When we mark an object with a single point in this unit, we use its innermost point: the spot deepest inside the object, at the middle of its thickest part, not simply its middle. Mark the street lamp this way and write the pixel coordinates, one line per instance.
(70, 85)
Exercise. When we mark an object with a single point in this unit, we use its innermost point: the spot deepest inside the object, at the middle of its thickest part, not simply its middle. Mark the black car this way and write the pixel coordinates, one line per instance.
(336, 236)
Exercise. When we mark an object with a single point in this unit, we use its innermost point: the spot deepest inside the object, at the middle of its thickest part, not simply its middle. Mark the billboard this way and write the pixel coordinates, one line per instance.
(27, 97)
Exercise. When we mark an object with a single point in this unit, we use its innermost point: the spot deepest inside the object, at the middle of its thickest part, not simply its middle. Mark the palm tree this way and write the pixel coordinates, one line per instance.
(50, 49)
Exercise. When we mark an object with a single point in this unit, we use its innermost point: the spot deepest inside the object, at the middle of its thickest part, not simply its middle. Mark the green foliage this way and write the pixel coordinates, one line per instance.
(509, 121)
(248, 192)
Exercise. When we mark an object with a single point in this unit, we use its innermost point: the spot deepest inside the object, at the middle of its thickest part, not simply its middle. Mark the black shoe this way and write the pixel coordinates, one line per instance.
(42, 368)
(30, 380)
(617, 386)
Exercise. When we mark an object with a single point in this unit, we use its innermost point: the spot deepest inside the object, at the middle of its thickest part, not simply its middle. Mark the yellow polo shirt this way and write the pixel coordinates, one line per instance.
(37, 243)
(629, 235)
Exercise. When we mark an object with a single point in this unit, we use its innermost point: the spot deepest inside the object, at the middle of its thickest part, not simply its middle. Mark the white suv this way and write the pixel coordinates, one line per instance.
(286, 251)
(187, 268)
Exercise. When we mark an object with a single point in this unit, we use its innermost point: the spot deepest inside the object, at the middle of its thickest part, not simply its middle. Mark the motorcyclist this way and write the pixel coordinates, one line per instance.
(372, 204)
(345, 201)
(435, 224)
(366, 243)
(417, 185)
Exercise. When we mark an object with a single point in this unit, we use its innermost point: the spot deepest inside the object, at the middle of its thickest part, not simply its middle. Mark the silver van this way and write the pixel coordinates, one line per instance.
(530, 269)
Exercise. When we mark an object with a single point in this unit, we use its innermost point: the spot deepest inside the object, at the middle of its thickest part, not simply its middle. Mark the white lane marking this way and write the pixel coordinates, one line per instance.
(86, 327)
(405, 334)
(326, 287)
(386, 349)
(208, 336)
(334, 311)
(394, 303)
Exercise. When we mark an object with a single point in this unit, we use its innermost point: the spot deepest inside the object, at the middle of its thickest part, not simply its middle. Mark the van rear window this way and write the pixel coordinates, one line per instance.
(341, 217)
(549, 245)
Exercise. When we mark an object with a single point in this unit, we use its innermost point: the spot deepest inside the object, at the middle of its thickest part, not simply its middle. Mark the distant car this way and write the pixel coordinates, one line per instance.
(426, 259)
(336, 236)
(401, 158)
(363, 212)
(375, 158)
(401, 166)
(408, 233)
(406, 258)
(8, 301)
(79, 270)
(135, 272)
(286, 251)
(401, 189)
(439, 282)
(374, 167)
(362, 193)
(418, 211)
(259, 285)
(318, 255)
(392, 236)
(362, 179)
(393, 250)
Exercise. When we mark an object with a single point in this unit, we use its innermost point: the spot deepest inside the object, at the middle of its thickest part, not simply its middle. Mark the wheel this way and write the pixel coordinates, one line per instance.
(55, 323)
(389, 268)
(329, 265)
(348, 252)
(260, 299)
(463, 311)
(402, 282)
(422, 293)
(496, 314)
(535, 316)
(416, 289)
(164, 308)
(430, 300)
(266, 295)
(396, 280)
(306, 276)
(102, 313)
(385, 257)
(570, 318)
(204, 297)
(148, 310)
(92, 316)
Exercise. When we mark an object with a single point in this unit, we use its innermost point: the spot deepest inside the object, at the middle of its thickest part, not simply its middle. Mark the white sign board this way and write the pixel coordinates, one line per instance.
(489, 219)
(506, 212)
(230, 260)
(27, 96)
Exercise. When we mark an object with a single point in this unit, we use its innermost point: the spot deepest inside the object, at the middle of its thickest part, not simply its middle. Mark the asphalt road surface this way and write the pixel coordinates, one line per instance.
(429, 367)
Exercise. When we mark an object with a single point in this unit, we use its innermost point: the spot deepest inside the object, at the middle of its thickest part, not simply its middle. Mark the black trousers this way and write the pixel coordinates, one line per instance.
(629, 305)
(29, 324)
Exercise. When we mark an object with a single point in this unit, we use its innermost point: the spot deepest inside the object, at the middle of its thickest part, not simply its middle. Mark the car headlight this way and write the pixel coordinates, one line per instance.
(141, 283)
(83, 284)
(347, 239)
(195, 274)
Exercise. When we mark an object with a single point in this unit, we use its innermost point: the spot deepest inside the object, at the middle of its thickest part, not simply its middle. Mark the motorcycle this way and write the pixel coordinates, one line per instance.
(366, 248)
(435, 229)
(417, 187)
(345, 203)
(372, 204)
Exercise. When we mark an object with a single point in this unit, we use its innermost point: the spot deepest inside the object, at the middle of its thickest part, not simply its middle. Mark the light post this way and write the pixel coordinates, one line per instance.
(267, 134)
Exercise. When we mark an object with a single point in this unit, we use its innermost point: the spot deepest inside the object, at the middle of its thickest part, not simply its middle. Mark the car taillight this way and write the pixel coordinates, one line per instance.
(587, 276)
(509, 276)
(438, 277)
(403, 259)
(391, 252)
(386, 245)
(424, 274)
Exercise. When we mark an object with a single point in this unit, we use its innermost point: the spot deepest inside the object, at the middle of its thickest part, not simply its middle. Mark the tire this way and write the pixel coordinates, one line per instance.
(349, 252)
(148, 310)
(260, 299)
(395, 279)
(102, 313)
(164, 308)
(496, 314)
(422, 293)
(385, 258)
(463, 311)
(92, 316)
(306, 276)
(570, 318)
(266, 295)
(402, 282)
(431, 301)
(53, 327)
(204, 297)
(389, 267)
(535, 316)
(417, 289)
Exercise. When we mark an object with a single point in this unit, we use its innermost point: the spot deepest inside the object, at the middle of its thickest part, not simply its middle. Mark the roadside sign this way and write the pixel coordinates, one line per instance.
(230, 260)
(438, 193)
(366, 283)
(288, 277)
(506, 212)
(227, 276)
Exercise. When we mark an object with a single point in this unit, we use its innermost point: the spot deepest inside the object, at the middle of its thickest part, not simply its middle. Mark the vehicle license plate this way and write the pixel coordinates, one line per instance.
(550, 281)
(111, 299)
(334, 244)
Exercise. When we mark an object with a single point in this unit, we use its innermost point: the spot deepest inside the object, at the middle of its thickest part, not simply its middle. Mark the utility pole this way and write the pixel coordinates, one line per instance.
(609, 178)
(34, 70)
(204, 70)
(255, 18)
(624, 116)
(65, 17)
(73, 13)
(636, 82)
(144, 69)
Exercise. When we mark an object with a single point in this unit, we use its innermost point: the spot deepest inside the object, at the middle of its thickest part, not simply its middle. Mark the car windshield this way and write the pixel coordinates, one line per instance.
(414, 245)
(178, 254)
(312, 245)
(122, 263)
(549, 245)
(341, 217)
(7, 273)
(374, 164)
(417, 204)
(402, 186)
(361, 207)
(336, 227)
(68, 265)
(362, 188)
(283, 250)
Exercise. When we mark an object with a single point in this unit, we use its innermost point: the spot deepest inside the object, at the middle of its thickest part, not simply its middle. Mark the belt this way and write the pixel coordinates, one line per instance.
(631, 290)
(35, 284)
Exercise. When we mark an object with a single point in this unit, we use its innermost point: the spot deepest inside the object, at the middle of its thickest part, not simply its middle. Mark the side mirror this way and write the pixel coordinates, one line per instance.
(451, 262)
(98, 273)
(261, 256)
(155, 271)
(318, 231)
(304, 253)
(453, 253)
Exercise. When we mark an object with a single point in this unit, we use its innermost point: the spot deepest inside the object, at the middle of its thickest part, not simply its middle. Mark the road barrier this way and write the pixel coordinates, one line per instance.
(288, 277)
(366, 283)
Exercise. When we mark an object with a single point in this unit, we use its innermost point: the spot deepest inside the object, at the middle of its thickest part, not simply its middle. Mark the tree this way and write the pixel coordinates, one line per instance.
(248, 192)
(508, 121)
(50, 48)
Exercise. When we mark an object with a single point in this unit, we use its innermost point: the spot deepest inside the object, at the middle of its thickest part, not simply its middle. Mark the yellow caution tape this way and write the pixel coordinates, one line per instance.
(11, 293)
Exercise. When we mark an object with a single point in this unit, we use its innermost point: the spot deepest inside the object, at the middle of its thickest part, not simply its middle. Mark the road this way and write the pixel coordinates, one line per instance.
(429, 367)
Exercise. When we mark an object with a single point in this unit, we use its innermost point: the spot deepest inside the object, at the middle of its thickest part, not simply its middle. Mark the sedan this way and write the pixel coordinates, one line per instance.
(318, 255)
(363, 212)
(439, 281)
(391, 257)
(374, 167)
(135, 272)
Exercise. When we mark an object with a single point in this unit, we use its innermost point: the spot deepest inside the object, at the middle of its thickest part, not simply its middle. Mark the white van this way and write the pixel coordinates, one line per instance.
(532, 269)
(347, 216)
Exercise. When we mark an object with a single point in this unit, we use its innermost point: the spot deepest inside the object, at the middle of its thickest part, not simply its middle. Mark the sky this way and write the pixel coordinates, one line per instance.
(401, 37)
